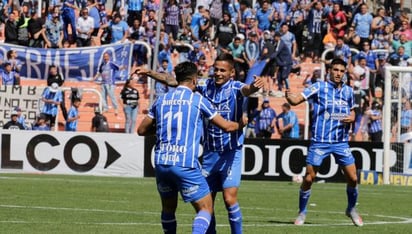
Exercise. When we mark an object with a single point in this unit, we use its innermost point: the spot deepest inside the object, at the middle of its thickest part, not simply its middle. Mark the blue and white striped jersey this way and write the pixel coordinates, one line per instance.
(179, 118)
(330, 105)
(375, 125)
(228, 100)
(50, 108)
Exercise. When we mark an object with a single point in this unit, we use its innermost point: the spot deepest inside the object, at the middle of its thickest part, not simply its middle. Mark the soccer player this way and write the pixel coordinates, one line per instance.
(333, 111)
(222, 157)
(177, 117)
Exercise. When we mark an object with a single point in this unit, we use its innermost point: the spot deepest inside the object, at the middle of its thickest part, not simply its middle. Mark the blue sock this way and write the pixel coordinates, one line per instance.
(212, 225)
(169, 223)
(303, 200)
(352, 196)
(235, 218)
(201, 222)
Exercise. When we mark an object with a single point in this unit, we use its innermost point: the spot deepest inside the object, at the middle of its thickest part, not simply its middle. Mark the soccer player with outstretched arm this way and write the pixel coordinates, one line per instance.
(333, 111)
(177, 118)
(222, 157)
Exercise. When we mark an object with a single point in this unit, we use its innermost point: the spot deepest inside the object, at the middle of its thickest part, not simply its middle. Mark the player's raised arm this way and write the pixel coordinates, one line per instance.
(225, 125)
(147, 127)
(257, 84)
(294, 98)
(164, 78)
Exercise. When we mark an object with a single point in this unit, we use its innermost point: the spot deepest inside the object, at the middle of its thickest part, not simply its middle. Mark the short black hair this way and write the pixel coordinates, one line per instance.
(185, 71)
(227, 58)
(338, 61)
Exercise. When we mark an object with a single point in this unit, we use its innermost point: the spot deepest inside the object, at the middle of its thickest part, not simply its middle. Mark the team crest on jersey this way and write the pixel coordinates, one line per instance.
(227, 92)
(326, 115)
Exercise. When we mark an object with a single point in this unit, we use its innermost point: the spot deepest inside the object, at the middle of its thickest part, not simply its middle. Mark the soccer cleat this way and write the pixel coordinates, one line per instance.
(355, 217)
(300, 220)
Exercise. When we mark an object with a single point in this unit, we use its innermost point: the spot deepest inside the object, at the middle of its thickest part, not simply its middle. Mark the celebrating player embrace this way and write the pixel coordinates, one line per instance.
(222, 157)
(178, 119)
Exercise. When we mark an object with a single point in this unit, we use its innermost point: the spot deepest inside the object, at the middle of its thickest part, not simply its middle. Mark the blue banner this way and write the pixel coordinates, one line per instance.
(74, 63)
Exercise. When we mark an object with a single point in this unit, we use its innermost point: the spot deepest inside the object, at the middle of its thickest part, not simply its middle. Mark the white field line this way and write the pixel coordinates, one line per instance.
(398, 220)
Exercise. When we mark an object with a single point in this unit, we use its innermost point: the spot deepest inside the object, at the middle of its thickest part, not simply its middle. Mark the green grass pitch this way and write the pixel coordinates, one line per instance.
(86, 204)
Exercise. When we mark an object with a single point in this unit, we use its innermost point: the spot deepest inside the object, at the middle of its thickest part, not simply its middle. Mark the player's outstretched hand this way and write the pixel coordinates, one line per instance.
(141, 70)
(259, 82)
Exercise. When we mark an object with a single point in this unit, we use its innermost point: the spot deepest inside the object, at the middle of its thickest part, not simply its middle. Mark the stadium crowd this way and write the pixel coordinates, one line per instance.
(282, 33)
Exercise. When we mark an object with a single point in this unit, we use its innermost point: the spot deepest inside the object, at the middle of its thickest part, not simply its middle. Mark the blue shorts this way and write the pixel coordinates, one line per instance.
(319, 151)
(188, 181)
(222, 169)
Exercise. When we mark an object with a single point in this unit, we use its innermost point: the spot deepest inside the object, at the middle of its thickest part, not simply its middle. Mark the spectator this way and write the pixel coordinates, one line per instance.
(337, 20)
(405, 43)
(85, 29)
(99, 121)
(14, 61)
(245, 13)
(252, 49)
(295, 18)
(342, 51)
(289, 39)
(263, 16)
(69, 17)
(118, 29)
(52, 97)
(360, 100)
(11, 30)
(330, 40)
(225, 33)
(265, 120)
(362, 23)
(20, 117)
(380, 21)
(54, 31)
(195, 22)
(130, 97)
(361, 73)
(406, 30)
(289, 126)
(134, 11)
(204, 29)
(136, 31)
(37, 31)
(398, 58)
(379, 42)
(107, 72)
(406, 117)
(22, 24)
(281, 6)
(54, 76)
(172, 18)
(41, 124)
(371, 62)
(284, 63)
(13, 124)
(161, 88)
(186, 11)
(93, 9)
(375, 122)
(238, 52)
(315, 27)
(8, 76)
(73, 116)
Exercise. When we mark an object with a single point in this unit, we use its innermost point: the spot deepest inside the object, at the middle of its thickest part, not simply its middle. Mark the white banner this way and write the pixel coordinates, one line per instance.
(26, 97)
(100, 154)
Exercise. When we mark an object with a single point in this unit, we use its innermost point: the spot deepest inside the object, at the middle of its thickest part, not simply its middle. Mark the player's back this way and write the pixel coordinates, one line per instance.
(179, 126)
